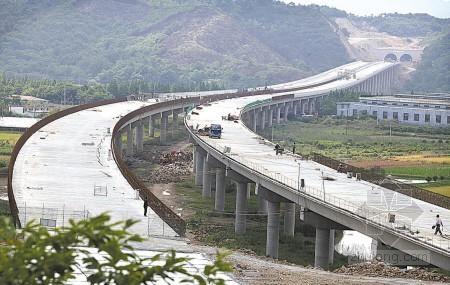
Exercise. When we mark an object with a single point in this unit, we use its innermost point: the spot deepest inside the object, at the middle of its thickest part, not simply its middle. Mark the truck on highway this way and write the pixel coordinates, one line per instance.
(215, 131)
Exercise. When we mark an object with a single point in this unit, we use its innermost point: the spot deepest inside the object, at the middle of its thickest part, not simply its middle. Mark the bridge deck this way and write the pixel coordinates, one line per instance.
(56, 172)
(66, 170)
(367, 200)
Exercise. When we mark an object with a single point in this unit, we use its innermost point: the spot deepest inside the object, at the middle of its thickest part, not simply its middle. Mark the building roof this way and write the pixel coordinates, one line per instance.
(417, 100)
(16, 122)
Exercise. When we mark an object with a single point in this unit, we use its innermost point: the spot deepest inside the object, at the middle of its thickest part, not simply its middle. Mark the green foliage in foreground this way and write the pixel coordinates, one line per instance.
(36, 256)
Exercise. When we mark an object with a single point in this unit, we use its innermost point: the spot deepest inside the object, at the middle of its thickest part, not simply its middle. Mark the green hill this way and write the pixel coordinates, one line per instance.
(235, 43)
(224, 43)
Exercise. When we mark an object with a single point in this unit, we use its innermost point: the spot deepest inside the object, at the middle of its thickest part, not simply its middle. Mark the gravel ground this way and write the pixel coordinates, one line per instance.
(254, 270)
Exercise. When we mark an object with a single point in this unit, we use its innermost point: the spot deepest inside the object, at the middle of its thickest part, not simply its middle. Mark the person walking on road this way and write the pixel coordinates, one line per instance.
(439, 224)
(145, 207)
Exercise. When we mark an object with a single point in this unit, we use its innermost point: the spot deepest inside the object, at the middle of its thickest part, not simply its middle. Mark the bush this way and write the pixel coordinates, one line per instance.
(37, 256)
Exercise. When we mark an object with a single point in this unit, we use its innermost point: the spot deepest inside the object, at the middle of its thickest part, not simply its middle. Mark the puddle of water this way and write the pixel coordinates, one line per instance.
(354, 243)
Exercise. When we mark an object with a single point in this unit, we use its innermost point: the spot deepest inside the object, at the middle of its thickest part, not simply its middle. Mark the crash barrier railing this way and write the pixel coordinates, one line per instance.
(54, 216)
(378, 218)
(386, 182)
(161, 209)
(33, 129)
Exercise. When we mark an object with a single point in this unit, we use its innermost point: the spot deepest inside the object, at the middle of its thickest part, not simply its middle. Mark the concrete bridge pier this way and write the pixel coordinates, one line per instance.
(303, 107)
(206, 181)
(140, 137)
(286, 112)
(273, 229)
(164, 120)
(175, 121)
(118, 142)
(294, 108)
(262, 119)
(219, 203)
(199, 157)
(262, 205)
(273, 219)
(151, 124)
(129, 147)
(324, 247)
(278, 114)
(254, 121)
(311, 106)
(241, 208)
(270, 120)
(289, 219)
(240, 225)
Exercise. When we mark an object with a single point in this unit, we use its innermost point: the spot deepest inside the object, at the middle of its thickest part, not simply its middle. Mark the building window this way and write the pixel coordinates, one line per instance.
(405, 116)
(416, 117)
(426, 106)
(384, 115)
(355, 112)
(395, 115)
(394, 104)
(427, 118)
(448, 119)
(438, 119)
(405, 104)
(374, 113)
(437, 107)
(342, 113)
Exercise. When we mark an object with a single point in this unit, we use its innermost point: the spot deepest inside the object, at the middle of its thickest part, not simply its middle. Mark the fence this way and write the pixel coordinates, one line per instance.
(51, 216)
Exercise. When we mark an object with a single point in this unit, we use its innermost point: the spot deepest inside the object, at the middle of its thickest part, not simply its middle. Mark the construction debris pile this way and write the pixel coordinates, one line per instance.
(381, 269)
(173, 166)
(169, 172)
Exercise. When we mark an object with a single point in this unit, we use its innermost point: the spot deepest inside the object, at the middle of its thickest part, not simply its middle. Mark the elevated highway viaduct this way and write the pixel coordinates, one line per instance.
(240, 155)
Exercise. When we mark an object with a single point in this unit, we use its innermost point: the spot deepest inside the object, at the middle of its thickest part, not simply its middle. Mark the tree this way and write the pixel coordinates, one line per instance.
(37, 256)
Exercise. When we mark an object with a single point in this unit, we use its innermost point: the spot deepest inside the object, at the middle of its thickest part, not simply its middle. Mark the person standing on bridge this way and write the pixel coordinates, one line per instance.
(145, 206)
(439, 224)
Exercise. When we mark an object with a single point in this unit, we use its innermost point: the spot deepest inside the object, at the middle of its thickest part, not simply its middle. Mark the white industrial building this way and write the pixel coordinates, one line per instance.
(423, 110)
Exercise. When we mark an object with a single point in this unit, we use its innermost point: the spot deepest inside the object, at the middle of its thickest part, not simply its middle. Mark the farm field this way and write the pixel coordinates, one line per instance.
(404, 152)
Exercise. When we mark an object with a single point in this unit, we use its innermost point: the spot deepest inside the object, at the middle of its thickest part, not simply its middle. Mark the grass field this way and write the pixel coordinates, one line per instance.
(368, 143)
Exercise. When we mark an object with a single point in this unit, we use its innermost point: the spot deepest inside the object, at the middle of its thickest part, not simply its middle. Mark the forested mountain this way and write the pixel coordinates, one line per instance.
(433, 72)
(239, 43)
(191, 43)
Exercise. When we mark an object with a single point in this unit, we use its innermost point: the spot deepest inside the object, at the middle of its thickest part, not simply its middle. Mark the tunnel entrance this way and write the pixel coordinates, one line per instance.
(406, 57)
(390, 57)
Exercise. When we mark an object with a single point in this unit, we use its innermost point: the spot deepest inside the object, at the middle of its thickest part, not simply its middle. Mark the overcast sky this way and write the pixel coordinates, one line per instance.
(437, 8)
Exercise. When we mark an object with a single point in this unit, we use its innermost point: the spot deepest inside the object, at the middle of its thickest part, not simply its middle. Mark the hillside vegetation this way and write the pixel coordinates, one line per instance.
(241, 44)
(231, 44)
